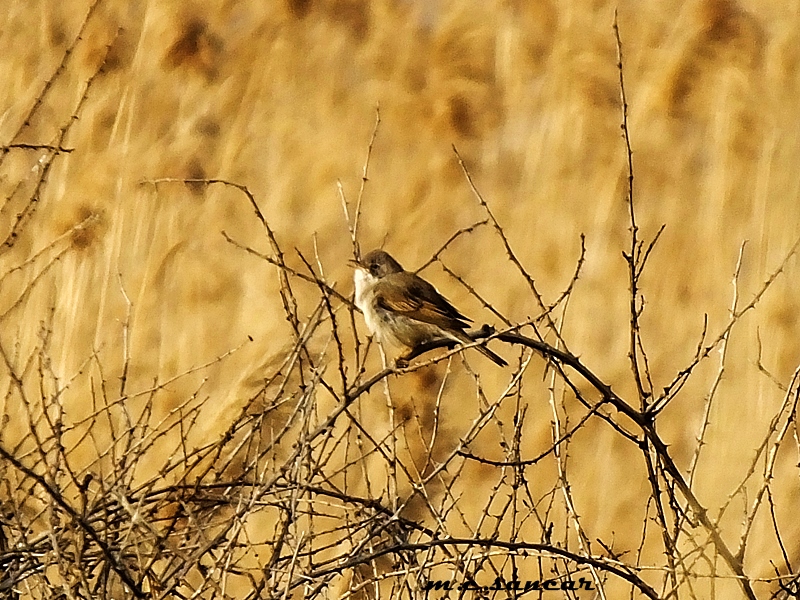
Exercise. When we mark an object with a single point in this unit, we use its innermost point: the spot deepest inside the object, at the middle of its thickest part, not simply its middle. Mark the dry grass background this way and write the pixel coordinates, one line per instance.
(281, 96)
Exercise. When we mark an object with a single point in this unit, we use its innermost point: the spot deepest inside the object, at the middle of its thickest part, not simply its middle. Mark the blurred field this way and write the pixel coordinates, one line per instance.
(281, 96)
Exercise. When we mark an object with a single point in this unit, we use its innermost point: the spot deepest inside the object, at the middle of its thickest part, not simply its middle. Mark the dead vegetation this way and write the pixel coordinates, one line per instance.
(190, 407)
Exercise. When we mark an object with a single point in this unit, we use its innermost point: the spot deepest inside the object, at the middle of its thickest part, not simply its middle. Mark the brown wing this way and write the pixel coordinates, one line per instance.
(415, 298)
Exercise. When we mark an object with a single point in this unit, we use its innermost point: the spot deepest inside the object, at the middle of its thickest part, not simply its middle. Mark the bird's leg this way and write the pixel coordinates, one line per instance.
(424, 347)
(485, 331)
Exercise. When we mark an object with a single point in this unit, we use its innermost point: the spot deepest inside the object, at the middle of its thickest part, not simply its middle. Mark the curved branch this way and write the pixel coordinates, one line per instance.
(643, 421)
(593, 561)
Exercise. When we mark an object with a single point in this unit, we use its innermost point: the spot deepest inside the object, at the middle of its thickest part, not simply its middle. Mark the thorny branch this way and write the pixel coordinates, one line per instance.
(304, 488)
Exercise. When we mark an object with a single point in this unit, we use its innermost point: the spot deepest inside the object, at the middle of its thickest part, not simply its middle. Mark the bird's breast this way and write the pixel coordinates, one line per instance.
(364, 298)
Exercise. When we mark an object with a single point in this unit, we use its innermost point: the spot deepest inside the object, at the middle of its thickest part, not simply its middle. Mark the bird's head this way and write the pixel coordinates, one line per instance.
(377, 264)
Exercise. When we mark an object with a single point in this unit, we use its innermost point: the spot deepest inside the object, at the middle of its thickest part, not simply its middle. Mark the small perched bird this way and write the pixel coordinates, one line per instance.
(402, 309)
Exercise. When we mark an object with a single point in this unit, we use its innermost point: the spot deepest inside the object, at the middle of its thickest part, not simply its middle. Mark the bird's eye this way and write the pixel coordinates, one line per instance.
(373, 268)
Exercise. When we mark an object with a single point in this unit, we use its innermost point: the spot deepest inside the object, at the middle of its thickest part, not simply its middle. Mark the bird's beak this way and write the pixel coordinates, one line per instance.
(355, 264)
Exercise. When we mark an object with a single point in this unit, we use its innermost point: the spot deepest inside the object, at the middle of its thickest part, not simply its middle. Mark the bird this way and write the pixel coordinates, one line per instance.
(402, 309)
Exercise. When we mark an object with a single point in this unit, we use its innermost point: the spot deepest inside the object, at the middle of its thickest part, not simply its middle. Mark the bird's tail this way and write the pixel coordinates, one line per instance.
(492, 356)
(484, 350)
